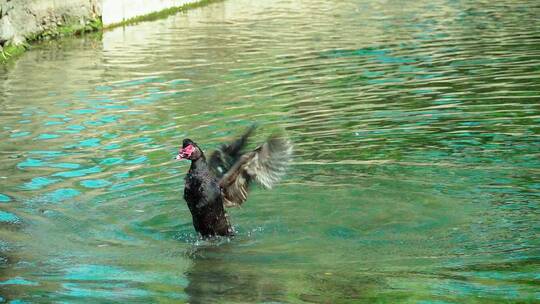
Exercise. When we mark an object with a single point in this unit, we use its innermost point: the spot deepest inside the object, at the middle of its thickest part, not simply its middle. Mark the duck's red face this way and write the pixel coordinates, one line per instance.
(186, 152)
(189, 150)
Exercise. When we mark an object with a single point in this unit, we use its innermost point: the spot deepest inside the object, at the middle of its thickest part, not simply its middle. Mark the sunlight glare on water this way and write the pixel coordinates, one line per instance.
(415, 178)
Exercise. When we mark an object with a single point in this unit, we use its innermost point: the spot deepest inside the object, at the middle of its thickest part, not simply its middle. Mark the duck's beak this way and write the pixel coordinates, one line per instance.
(181, 155)
(184, 153)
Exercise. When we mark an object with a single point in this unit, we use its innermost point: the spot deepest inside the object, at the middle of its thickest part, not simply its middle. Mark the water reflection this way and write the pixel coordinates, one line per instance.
(218, 275)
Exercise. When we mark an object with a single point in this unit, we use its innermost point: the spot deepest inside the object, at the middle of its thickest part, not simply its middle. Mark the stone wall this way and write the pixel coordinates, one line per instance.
(28, 20)
(22, 20)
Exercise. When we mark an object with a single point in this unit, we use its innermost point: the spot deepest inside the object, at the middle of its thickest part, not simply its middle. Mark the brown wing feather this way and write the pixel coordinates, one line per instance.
(266, 165)
(222, 160)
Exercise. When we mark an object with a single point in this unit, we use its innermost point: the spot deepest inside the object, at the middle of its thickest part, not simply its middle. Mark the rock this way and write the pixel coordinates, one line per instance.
(23, 20)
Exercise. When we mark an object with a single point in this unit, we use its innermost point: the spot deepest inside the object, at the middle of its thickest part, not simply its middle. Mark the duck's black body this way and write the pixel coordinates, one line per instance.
(224, 180)
(203, 196)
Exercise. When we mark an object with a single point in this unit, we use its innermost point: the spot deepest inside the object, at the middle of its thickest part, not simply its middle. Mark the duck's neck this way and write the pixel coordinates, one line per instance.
(199, 164)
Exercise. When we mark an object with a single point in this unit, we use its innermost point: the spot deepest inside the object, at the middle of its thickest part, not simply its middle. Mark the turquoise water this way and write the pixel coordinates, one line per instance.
(415, 178)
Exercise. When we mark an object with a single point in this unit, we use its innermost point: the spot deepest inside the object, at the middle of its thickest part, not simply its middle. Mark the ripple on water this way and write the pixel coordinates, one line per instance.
(138, 160)
(47, 136)
(65, 165)
(39, 182)
(79, 173)
(126, 185)
(19, 281)
(4, 198)
(122, 175)
(111, 161)
(63, 194)
(19, 134)
(54, 123)
(9, 218)
(95, 183)
(87, 143)
(112, 147)
(76, 128)
(83, 111)
(110, 118)
(112, 107)
(31, 162)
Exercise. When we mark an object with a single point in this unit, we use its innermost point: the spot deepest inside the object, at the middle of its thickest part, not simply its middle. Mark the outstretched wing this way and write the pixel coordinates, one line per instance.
(266, 165)
(227, 155)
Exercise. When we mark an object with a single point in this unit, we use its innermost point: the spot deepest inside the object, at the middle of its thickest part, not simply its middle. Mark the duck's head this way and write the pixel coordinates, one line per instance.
(189, 150)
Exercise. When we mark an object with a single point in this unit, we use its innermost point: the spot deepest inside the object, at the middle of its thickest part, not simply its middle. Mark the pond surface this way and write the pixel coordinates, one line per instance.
(416, 176)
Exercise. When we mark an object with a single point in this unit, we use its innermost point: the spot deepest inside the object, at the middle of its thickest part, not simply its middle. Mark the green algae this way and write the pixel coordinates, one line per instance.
(162, 14)
(74, 29)
(12, 51)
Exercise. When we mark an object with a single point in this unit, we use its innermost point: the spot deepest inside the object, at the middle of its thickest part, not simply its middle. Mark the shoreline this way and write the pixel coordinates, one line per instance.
(76, 25)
